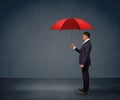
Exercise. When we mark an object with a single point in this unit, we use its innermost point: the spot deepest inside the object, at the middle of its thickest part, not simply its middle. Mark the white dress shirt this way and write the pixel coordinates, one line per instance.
(83, 42)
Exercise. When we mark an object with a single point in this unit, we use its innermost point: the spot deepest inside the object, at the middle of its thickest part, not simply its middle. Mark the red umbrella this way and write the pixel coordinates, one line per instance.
(71, 24)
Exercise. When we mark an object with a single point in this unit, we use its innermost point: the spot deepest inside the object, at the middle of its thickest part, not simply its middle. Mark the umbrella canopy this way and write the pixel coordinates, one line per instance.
(71, 24)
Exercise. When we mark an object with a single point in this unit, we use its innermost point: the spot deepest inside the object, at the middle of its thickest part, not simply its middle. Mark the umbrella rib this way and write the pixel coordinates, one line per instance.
(78, 24)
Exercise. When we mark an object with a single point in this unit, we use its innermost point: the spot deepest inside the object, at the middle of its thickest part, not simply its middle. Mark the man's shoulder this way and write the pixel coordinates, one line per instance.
(88, 42)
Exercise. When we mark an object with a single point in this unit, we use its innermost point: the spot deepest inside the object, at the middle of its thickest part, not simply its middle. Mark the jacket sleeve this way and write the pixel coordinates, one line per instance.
(87, 53)
(77, 50)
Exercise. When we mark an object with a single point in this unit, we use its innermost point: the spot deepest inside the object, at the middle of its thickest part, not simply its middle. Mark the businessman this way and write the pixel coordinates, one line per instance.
(84, 61)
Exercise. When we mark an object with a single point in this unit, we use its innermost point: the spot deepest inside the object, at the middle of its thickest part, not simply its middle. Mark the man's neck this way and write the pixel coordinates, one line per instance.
(86, 40)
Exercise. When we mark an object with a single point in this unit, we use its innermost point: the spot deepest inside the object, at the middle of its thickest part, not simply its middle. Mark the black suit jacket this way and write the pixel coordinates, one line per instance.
(84, 51)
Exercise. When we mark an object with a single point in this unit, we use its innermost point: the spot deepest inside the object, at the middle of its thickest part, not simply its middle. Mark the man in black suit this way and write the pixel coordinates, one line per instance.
(84, 60)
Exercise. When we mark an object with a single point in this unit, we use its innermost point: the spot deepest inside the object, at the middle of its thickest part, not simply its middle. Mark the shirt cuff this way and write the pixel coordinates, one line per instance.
(74, 47)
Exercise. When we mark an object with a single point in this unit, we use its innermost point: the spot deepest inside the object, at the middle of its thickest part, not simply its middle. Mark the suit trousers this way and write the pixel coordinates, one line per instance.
(85, 75)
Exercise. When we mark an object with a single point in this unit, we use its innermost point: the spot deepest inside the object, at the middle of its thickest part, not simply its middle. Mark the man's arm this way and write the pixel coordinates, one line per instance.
(76, 49)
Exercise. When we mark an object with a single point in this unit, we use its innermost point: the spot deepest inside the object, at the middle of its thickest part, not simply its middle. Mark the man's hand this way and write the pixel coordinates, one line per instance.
(72, 45)
(81, 66)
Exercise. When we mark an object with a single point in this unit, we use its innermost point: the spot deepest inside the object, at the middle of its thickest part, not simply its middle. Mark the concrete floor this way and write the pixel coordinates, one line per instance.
(57, 89)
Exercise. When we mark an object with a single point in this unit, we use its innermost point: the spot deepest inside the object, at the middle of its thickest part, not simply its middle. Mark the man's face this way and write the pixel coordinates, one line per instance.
(84, 37)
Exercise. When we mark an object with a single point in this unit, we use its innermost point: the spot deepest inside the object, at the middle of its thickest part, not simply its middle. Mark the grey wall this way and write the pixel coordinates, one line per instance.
(29, 49)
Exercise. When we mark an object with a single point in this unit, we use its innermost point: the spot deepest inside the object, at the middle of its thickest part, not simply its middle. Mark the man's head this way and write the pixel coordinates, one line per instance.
(85, 36)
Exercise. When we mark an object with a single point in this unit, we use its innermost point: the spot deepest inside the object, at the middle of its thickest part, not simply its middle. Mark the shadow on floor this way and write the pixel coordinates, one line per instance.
(58, 89)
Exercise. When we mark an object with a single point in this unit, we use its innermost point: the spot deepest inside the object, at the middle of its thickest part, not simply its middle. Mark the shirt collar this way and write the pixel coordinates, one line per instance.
(86, 41)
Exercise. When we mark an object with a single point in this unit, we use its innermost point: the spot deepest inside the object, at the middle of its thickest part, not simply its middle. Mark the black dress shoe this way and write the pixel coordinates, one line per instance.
(81, 89)
(83, 93)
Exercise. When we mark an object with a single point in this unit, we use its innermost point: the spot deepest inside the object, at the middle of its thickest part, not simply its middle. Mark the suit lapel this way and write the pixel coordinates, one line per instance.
(84, 44)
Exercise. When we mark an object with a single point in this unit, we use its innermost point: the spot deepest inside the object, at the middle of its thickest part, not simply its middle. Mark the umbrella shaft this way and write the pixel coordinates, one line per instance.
(71, 36)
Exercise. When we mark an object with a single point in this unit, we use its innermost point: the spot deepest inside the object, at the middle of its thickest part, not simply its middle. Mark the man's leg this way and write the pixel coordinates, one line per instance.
(85, 75)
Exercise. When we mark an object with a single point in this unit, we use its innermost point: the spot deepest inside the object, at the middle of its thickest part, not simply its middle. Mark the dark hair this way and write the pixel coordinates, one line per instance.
(87, 34)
